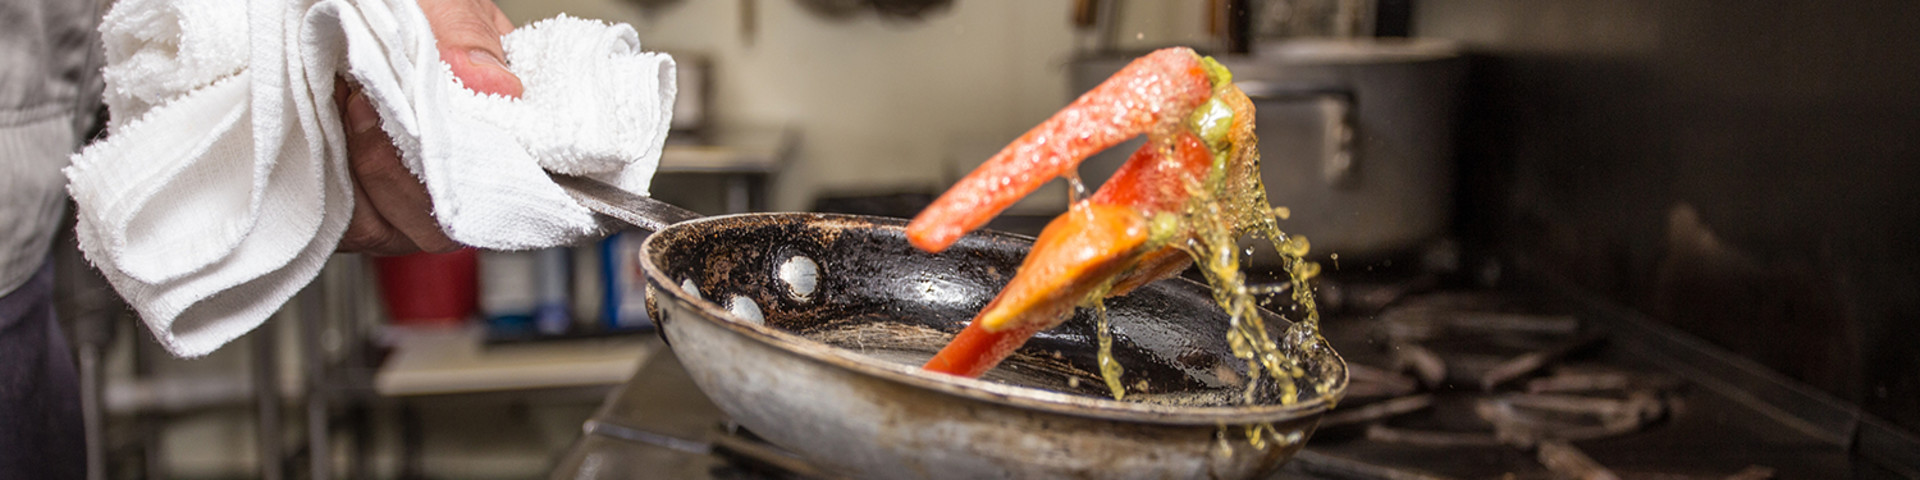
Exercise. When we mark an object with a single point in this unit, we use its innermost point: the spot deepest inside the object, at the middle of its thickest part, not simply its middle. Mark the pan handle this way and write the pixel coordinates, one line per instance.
(644, 212)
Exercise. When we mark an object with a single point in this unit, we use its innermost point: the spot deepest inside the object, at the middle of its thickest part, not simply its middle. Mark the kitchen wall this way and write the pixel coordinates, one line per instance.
(881, 103)
(1744, 171)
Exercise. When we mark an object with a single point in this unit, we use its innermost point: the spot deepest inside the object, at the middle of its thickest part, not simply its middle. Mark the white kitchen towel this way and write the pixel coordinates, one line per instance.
(223, 186)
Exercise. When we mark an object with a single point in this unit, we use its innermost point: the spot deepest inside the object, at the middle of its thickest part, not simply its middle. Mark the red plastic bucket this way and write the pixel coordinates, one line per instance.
(429, 288)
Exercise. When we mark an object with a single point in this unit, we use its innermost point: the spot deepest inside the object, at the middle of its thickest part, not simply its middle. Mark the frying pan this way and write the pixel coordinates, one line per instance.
(809, 329)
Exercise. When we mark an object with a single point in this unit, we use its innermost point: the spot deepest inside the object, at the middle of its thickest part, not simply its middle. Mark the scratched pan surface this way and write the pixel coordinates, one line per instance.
(809, 330)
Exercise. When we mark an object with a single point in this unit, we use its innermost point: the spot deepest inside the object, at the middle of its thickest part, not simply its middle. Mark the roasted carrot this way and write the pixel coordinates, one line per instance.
(1157, 90)
(1076, 249)
(1128, 233)
(975, 350)
(1160, 176)
(1102, 242)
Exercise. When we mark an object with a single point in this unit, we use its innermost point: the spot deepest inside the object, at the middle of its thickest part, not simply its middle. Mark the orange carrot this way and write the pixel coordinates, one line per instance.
(975, 350)
(1097, 241)
(1155, 90)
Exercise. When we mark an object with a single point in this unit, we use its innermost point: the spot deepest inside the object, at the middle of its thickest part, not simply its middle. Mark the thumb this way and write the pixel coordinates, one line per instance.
(468, 34)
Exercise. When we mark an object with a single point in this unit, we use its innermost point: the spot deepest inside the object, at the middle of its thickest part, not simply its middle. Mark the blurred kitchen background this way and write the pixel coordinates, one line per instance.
(1740, 172)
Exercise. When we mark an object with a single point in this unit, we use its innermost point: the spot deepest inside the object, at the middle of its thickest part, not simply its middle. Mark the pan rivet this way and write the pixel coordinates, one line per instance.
(801, 275)
(743, 307)
(691, 289)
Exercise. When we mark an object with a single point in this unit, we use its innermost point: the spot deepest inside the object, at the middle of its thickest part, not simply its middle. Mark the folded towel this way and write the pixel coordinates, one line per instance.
(224, 185)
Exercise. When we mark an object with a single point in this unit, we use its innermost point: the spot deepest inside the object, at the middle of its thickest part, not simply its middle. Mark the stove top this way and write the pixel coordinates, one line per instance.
(1518, 382)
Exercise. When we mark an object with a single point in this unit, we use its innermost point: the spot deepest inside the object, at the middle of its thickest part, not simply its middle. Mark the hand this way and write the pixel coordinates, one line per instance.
(392, 214)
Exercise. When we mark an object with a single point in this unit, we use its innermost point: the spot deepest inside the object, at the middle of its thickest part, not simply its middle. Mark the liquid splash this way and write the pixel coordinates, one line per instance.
(1110, 369)
(1232, 204)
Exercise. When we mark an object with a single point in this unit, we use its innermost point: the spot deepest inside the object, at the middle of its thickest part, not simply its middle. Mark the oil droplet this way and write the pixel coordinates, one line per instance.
(1255, 437)
(1110, 369)
(1221, 449)
(1282, 212)
(1076, 189)
(1270, 289)
(1295, 246)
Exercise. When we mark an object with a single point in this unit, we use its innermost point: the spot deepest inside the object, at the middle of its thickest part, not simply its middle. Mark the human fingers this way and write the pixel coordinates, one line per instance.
(366, 231)
(393, 212)
(468, 33)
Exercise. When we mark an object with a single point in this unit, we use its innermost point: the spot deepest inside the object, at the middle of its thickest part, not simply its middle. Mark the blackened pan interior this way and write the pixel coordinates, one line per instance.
(882, 307)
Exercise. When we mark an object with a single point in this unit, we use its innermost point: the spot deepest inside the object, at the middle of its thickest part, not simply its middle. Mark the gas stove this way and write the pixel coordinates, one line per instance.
(1530, 383)
(1525, 380)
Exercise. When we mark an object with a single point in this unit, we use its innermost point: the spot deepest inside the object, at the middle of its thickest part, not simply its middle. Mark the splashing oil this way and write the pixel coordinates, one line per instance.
(1230, 204)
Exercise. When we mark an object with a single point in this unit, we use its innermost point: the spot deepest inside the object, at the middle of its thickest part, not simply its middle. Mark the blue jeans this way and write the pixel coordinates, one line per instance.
(40, 431)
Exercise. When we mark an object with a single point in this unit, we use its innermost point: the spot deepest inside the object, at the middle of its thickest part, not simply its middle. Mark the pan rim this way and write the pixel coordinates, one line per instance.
(971, 388)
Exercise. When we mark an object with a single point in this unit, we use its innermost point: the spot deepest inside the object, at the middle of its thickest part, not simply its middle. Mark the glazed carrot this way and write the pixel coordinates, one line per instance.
(1154, 186)
(1076, 250)
(1089, 243)
(1154, 91)
(1160, 177)
(1124, 236)
(975, 350)
(1096, 242)
(1155, 265)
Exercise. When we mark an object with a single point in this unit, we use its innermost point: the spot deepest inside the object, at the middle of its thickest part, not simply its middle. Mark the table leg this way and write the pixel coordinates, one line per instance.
(266, 397)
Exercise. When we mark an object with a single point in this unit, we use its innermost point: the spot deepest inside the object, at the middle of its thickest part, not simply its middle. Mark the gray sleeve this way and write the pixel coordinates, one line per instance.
(49, 60)
(49, 90)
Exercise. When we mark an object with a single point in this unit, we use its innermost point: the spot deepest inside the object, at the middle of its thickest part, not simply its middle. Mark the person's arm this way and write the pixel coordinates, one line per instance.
(392, 213)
